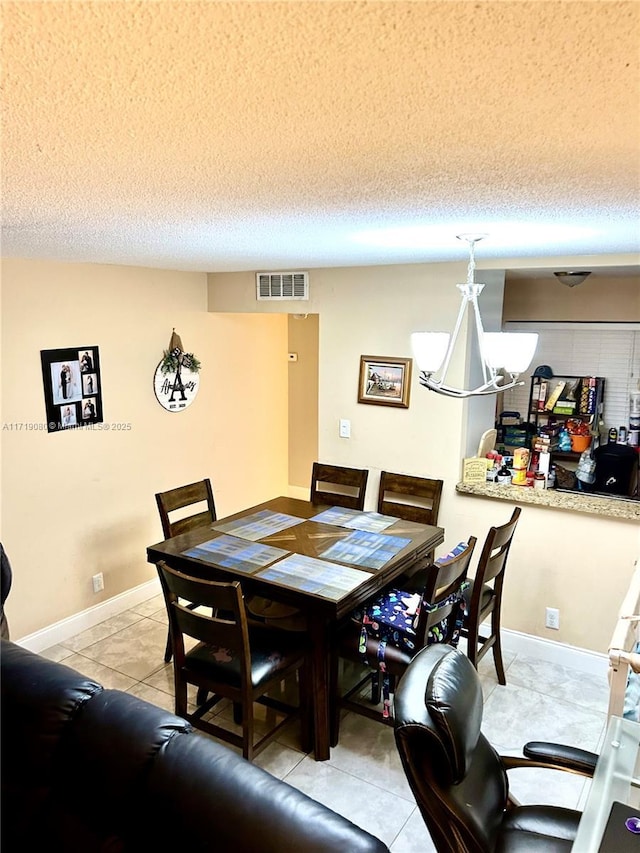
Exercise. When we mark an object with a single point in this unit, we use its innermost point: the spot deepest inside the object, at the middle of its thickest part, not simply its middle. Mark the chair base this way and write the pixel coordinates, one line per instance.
(347, 703)
(249, 749)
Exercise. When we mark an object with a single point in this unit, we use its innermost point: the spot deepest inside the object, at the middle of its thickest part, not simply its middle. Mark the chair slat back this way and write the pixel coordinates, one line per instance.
(493, 559)
(408, 497)
(443, 581)
(184, 496)
(225, 623)
(351, 485)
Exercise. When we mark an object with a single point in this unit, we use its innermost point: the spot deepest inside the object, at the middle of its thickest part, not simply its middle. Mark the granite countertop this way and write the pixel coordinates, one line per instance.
(611, 507)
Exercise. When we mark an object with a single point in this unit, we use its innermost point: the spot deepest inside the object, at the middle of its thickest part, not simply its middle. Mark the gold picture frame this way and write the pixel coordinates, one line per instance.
(385, 381)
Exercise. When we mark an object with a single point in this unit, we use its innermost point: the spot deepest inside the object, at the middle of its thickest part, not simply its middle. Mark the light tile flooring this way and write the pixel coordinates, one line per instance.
(364, 780)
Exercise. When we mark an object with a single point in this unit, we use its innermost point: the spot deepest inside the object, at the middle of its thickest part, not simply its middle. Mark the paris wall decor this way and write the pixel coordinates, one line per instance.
(176, 378)
(72, 389)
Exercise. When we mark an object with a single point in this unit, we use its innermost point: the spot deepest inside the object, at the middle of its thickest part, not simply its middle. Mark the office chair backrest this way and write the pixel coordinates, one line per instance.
(409, 497)
(183, 496)
(338, 486)
(457, 778)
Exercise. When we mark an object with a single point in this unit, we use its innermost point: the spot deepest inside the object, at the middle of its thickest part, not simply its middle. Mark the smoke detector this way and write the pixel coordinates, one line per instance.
(571, 279)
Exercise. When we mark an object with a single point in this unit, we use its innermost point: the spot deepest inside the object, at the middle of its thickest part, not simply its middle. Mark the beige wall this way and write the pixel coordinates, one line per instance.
(559, 559)
(601, 299)
(80, 502)
(303, 398)
(76, 503)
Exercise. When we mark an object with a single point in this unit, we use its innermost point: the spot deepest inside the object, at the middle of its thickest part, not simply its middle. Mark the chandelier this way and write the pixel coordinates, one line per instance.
(508, 351)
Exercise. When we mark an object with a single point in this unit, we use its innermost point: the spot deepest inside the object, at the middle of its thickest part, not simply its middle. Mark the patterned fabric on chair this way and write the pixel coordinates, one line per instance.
(389, 631)
(393, 620)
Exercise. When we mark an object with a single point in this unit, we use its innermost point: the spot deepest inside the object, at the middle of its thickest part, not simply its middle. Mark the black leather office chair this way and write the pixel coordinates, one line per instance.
(459, 781)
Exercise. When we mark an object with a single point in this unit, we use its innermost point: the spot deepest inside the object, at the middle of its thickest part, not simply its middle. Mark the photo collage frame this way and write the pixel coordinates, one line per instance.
(72, 388)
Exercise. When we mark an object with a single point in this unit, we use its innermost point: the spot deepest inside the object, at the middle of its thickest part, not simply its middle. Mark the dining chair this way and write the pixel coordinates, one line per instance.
(230, 659)
(181, 497)
(483, 596)
(338, 486)
(459, 781)
(386, 634)
(176, 500)
(412, 499)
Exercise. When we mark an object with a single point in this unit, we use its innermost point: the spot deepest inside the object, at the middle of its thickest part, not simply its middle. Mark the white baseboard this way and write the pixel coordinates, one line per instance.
(512, 641)
(60, 631)
(584, 660)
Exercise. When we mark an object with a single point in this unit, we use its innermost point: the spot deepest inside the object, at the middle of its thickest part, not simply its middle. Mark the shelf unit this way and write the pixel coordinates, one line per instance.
(555, 400)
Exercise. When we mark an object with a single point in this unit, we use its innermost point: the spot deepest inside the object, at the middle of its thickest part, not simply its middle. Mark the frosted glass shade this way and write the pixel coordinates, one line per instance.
(511, 350)
(429, 349)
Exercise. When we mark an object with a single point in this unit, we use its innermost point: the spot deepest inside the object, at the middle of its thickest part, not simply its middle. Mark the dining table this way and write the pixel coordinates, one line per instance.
(323, 560)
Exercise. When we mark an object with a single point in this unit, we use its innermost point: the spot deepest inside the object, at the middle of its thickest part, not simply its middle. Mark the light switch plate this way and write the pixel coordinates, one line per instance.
(345, 428)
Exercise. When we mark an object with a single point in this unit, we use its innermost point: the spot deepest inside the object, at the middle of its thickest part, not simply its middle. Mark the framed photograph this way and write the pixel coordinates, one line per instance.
(385, 381)
(72, 393)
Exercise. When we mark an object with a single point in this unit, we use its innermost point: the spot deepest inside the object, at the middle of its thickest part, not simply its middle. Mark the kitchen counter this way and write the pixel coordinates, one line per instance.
(612, 507)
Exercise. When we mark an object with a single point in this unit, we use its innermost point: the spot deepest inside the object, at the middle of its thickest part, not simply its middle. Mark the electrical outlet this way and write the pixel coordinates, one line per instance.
(98, 582)
(552, 618)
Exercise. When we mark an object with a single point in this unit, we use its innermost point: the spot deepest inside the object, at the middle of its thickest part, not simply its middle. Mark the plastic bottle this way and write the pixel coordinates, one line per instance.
(551, 479)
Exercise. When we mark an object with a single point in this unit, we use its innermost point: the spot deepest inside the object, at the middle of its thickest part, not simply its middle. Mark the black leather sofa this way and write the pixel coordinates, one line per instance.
(89, 769)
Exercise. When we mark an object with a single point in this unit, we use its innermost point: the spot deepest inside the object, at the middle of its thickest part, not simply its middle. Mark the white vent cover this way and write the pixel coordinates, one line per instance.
(282, 285)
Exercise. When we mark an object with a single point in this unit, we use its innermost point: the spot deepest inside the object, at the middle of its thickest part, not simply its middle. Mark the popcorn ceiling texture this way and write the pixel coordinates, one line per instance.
(263, 135)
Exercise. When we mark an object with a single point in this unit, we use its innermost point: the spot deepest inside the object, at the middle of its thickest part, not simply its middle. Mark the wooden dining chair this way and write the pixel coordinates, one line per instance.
(230, 659)
(181, 497)
(412, 499)
(338, 486)
(483, 596)
(395, 633)
(176, 500)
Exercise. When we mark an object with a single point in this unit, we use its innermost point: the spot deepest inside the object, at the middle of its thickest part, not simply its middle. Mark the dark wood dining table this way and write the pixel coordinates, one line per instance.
(324, 606)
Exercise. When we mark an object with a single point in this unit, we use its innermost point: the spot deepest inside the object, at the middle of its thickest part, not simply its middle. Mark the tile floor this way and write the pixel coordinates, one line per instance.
(364, 780)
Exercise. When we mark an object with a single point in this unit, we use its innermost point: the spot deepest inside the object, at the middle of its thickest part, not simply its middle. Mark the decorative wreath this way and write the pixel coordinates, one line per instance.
(173, 360)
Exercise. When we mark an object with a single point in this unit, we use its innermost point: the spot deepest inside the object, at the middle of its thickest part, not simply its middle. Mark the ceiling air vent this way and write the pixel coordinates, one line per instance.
(282, 285)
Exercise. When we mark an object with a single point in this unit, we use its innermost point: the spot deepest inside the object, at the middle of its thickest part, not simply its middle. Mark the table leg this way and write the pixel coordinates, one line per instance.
(319, 635)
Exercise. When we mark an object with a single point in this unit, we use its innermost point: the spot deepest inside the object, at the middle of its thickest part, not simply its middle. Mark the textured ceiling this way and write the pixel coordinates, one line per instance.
(260, 135)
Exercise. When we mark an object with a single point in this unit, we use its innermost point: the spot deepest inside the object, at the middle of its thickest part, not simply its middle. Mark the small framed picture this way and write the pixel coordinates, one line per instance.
(385, 381)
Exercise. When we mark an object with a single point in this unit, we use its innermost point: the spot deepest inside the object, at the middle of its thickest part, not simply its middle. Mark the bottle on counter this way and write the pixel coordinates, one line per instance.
(551, 479)
(504, 475)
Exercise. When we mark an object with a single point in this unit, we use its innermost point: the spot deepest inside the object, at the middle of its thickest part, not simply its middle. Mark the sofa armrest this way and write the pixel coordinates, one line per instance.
(205, 791)
(40, 699)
